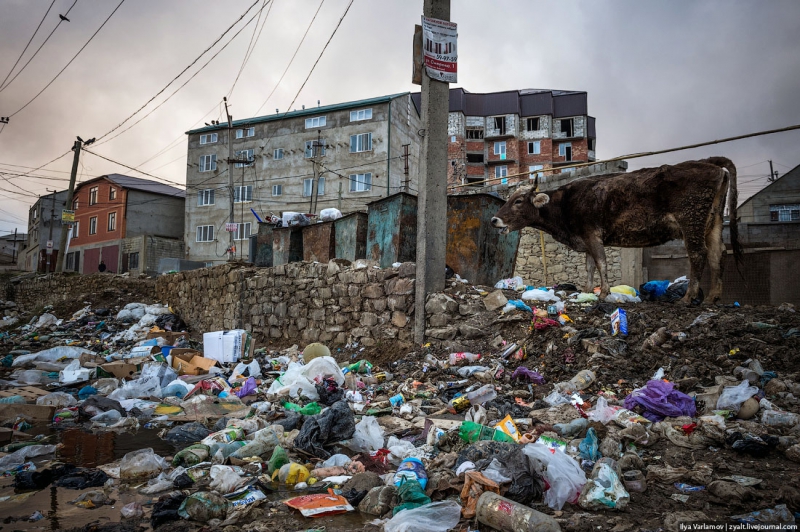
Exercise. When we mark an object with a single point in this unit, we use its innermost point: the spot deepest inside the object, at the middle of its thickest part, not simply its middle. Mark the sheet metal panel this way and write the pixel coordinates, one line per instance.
(319, 242)
(287, 245)
(351, 236)
(392, 229)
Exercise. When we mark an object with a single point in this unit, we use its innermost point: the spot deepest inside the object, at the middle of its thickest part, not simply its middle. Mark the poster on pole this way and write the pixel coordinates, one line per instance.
(49, 247)
(231, 227)
(67, 216)
(440, 50)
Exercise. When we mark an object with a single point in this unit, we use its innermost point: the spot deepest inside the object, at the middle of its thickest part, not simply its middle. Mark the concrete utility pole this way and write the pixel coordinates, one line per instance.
(231, 255)
(772, 176)
(405, 169)
(432, 198)
(316, 152)
(62, 242)
(49, 252)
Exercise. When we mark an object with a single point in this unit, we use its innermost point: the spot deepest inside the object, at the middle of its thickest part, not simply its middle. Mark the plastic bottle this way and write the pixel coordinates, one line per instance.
(780, 419)
(457, 358)
(458, 404)
(583, 379)
(13, 400)
(484, 394)
(471, 432)
(506, 515)
(412, 469)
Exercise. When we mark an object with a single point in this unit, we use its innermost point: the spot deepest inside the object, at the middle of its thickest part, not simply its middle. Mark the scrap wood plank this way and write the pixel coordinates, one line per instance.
(29, 393)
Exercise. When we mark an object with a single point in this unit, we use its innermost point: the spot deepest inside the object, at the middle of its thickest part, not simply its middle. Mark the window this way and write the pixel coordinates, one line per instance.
(500, 149)
(565, 151)
(452, 138)
(208, 163)
(534, 148)
(93, 196)
(315, 145)
(566, 127)
(475, 182)
(532, 124)
(360, 182)
(112, 221)
(210, 138)
(75, 230)
(35, 213)
(474, 133)
(75, 204)
(205, 233)
(243, 194)
(205, 197)
(533, 169)
(73, 260)
(248, 155)
(784, 213)
(277, 190)
(112, 194)
(93, 225)
(591, 144)
(242, 231)
(277, 154)
(308, 185)
(246, 132)
(501, 171)
(355, 116)
(474, 157)
(500, 125)
(317, 121)
(133, 261)
(362, 142)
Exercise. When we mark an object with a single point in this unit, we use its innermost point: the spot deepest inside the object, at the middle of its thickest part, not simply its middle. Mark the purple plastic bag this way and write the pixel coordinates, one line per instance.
(247, 388)
(528, 374)
(660, 399)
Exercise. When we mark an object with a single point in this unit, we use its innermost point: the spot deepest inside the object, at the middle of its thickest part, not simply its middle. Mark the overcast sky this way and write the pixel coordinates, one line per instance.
(659, 74)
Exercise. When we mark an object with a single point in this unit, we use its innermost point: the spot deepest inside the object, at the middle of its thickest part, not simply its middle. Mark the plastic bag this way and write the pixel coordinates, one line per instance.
(510, 284)
(622, 298)
(252, 370)
(264, 441)
(291, 473)
(328, 215)
(368, 435)
(583, 297)
(660, 399)
(434, 517)
(555, 399)
(204, 506)
(106, 418)
(588, 446)
(497, 472)
(50, 355)
(516, 304)
(399, 450)
(602, 412)
(20, 456)
(74, 372)
(335, 424)
(732, 397)
(132, 510)
(57, 399)
(565, 476)
(540, 295)
(143, 463)
(294, 384)
(322, 367)
(604, 489)
(279, 459)
(224, 479)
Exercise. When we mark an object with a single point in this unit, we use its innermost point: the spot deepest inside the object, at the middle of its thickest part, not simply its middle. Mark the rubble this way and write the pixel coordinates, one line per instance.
(553, 409)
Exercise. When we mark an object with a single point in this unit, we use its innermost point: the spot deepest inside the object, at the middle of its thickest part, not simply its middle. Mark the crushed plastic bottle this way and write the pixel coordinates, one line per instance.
(457, 358)
(482, 395)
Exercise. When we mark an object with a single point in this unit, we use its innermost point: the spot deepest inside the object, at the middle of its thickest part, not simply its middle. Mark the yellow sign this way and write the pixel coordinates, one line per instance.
(67, 217)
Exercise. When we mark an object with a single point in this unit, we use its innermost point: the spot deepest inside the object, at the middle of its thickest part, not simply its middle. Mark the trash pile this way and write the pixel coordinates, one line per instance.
(569, 414)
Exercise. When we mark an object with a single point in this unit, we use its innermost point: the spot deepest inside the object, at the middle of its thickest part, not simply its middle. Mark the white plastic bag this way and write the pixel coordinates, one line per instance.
(337, 460)
(514, 283)
(565, 476)
(74, 372)
(368, 435)
(225, 480)
(323, 367)
(434, 517)
(622, 298)
(732, 397)
(399, 450)
(20, 456)
(555, 399)
(253, 368)
(143, 463)
(50, 355)
(293, 383)
(495, 471)
(540, 295)
(57, 399)
(327, 215)
(602, 412)
(604, 490)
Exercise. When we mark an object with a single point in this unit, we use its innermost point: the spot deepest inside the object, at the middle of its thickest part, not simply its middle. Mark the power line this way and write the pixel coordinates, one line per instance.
(60, 20)
(29, 42)
(70, 61)
(249, 52)
(180, 74)
(292, 59)
(134, 169)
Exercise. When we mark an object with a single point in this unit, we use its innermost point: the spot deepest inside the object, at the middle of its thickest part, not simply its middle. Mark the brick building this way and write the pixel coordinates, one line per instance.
(126, 222)
(44, 223)
(494, 136)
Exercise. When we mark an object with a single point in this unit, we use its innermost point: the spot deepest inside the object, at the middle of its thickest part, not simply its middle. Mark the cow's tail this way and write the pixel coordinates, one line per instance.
(733, 199)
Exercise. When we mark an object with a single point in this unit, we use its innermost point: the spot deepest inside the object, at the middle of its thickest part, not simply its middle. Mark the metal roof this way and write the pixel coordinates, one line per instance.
(523, 102)
(137, 183)
(311, 111)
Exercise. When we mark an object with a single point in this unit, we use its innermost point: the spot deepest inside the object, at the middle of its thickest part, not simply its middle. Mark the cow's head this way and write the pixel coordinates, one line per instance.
(521, 209)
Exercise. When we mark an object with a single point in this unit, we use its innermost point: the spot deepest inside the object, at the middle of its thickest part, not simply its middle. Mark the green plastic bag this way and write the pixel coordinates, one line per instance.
(470, 432)
(278, 459)
(411, 495)
(311, 409)
(192, 455)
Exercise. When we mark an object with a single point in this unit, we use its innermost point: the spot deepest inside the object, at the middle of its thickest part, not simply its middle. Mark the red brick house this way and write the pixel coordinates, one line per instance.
(126, 222)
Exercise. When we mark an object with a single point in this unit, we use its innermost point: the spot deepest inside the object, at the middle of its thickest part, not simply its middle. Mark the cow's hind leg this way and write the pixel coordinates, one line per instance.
(590, 268)
(715, 244)
(597, 252)
(696, 249)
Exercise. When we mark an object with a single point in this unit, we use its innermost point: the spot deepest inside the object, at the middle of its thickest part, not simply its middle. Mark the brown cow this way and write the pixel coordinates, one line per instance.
(644, 208)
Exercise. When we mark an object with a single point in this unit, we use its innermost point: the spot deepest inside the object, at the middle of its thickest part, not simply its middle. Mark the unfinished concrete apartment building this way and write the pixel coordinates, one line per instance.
(494, 137)
(359, 151)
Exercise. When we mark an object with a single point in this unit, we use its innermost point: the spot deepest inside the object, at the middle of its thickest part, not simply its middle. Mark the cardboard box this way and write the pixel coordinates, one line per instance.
(145, 351)
(228, 346)
(121, 369)
(90, 360)
(169, 336)
(34, 413)
(190, 362)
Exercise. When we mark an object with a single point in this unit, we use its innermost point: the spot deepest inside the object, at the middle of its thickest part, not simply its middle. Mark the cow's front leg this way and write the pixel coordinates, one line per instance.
(590, 267)
(598, 253)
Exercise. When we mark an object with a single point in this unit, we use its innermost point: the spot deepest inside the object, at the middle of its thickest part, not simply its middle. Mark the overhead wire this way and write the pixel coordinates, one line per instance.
(4, 85)
(70, 61)
(251, 44)
(29, 42)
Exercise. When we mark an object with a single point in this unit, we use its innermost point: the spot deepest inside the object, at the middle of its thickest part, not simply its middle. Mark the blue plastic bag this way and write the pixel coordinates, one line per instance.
(589, 446)
(654, 289)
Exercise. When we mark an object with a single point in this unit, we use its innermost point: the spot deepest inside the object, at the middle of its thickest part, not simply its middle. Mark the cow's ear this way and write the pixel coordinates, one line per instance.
(540, 200)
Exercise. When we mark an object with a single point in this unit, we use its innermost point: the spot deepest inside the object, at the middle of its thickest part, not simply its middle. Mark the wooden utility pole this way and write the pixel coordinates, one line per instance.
(405, 169)
(62, 241)
(432, 197)
(231, 255)
(49, 251)
(316, 152)
(339, 203)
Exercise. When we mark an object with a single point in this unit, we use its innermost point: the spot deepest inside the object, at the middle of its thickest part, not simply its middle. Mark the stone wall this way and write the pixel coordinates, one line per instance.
(563, 264)
(335, 303)
(42, 291)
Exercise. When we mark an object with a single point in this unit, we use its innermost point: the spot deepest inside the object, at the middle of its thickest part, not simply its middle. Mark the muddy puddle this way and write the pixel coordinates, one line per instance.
(89, 449)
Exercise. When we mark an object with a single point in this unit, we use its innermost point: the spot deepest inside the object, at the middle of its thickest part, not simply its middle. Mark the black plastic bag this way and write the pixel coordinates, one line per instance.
(165, 509)
(37, 480)
(189, 433)
(329, 392)
(335, 424)
(82, 478)
(292, 420)
(526, 484)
